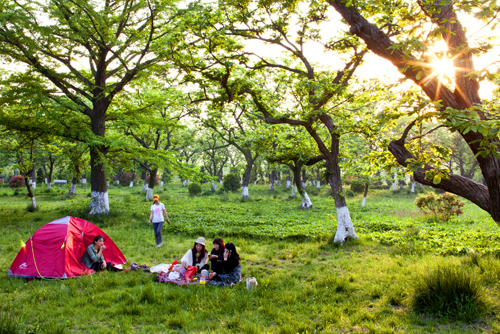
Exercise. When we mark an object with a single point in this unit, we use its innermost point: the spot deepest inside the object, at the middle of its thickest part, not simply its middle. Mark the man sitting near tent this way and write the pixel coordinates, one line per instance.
(93, 258)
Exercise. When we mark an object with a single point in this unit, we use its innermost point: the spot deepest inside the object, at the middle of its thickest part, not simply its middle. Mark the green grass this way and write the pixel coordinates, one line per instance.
(306, 283)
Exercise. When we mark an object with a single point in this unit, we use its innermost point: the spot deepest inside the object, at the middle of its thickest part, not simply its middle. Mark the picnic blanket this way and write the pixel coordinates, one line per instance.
(176, 278)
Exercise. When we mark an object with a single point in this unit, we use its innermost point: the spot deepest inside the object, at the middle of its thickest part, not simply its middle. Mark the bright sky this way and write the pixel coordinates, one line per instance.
(375, 66)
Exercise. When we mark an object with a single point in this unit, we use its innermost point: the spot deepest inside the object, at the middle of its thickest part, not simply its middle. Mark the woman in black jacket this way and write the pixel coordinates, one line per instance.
(217, 256)
(231, 265)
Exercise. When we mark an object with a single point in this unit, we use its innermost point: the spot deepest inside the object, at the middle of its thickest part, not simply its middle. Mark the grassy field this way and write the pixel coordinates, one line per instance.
(306, 283)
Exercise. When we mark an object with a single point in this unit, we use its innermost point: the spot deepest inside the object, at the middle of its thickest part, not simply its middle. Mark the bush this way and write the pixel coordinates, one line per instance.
(442, 207)
(357, 186)
(349, 193)
(450, 291)
(194, 188)
(231, 182)
(126, 177)
(16, 181)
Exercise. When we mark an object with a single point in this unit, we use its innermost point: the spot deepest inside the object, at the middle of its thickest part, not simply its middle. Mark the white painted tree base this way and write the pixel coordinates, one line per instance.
(318, 184)
(306, 201)
(254, 183)
(48, 186)
(294, 191)
(107, 183)
(244, 192)
(45, 180)
(393, 186)
(214, 186)
(149, 194)
(345, 229)
(84, 181)
(304, 185)
(162, 183)
(131, 184)
(72, 189)
(144, 186)
(117, 182)
(33, 185)
(221, 182)
(33, 202)
(413, 187)
(363, 202)
(99, 202)
(184, 183)
(288, 184)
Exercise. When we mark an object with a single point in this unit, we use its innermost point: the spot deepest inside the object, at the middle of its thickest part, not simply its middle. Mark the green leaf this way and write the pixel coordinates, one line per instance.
(419, 75)
(437, 179)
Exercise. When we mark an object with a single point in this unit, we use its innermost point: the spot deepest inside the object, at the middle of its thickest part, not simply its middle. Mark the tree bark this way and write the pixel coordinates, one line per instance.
(151, 184)
(99, 201)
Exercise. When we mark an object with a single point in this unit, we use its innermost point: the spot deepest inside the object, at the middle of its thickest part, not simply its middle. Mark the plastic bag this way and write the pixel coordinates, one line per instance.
(190, 271)
(251, 283)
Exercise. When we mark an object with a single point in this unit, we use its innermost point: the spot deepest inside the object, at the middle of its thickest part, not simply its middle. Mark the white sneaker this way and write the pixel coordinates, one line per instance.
(160, 244)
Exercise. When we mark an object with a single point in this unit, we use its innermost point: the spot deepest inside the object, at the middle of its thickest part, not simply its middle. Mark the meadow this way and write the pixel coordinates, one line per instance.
(306, 283)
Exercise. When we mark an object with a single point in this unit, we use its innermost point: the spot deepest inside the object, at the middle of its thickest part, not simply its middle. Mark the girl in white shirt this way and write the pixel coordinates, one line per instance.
(196, 256)
(157, 212)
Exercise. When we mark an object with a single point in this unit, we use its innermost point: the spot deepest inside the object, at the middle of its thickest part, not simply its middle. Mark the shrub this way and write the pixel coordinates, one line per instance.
(16, 181)
(442, 207)
(349, 193)
(450, 291)
(357, 186)
(126, 177)
(231, 182)
(194, 188)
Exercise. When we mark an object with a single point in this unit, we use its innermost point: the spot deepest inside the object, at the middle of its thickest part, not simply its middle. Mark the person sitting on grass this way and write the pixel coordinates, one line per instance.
(217, 256)
(93, 258)
(196, 256)
(232, 267)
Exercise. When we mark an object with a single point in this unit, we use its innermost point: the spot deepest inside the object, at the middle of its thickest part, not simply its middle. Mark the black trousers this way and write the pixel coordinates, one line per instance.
(109, 266)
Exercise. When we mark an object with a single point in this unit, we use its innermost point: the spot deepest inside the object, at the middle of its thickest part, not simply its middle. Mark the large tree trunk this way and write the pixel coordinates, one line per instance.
(99, 201)
(151, 185)
(30, 193)
(33, 178)
(364, 195)
(76, 176)
(272, 176)
(345, 228)
(144, 181)
(246, 175)
(306, 201)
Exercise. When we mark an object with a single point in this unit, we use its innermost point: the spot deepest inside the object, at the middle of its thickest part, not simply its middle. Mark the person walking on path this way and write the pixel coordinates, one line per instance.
(157, 212)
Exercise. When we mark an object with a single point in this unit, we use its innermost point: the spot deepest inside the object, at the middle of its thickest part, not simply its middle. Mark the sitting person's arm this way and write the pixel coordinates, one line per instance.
(94, 256)
(187, 259)
(203, 261)
(230, 264)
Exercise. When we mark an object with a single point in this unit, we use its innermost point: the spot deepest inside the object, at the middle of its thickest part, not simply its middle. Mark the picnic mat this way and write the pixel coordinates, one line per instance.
(170, 277)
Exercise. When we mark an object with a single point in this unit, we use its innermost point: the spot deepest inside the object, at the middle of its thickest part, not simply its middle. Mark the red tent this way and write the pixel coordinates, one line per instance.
(56, 249)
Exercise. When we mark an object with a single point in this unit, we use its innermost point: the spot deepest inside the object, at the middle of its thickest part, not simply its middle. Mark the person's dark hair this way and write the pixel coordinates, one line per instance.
(231, 247)
(97, 238)
(219, 242)
(201, 256)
